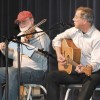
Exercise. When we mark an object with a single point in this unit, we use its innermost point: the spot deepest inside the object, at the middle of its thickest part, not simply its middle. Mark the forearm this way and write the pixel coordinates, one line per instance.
(57, 50)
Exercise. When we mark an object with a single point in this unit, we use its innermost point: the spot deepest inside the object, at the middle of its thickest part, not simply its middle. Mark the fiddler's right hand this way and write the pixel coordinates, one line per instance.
(61, 59)
(2, 45)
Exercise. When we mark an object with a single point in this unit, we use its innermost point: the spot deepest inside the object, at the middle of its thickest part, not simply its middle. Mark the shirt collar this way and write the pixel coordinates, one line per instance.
(90, 30)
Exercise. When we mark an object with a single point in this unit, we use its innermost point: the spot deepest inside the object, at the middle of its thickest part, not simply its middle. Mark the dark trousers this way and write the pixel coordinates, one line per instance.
(56, 78)
(0, 92)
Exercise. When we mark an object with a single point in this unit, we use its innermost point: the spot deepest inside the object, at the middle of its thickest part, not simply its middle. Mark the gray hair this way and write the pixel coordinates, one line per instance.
(87, 13)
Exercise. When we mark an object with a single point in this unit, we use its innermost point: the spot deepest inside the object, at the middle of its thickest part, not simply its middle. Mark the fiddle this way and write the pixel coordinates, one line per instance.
(29, 32)
(30, 35)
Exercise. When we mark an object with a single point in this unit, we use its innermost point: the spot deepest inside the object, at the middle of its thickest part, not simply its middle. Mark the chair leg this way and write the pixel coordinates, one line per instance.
(43, 88)
(91, 98)
(28, 89)
(67, 94)
(29, 93)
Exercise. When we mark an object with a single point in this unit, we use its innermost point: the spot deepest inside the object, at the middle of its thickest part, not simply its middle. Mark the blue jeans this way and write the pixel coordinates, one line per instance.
(27, 75)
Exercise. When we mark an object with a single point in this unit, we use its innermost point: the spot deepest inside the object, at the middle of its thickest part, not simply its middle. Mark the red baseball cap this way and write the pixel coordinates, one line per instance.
(23, 15)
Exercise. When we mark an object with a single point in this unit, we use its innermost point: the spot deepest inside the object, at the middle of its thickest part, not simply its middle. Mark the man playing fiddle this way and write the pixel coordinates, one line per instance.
(33, 68)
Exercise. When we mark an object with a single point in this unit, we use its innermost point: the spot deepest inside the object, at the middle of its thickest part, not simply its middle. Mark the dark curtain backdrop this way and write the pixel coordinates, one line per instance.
(55, 11)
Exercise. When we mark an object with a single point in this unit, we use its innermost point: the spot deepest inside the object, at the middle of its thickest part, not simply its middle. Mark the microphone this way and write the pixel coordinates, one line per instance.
(66, 24)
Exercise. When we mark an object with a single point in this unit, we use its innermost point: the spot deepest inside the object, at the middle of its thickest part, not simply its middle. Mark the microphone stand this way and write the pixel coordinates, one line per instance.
(36, 49)
(18, 52)
(6, 71)
(30, 33)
